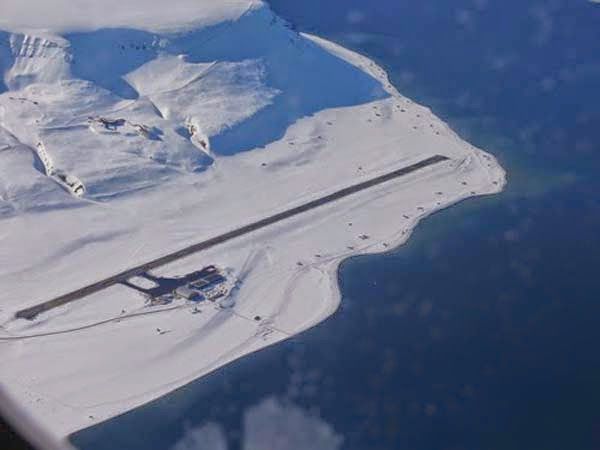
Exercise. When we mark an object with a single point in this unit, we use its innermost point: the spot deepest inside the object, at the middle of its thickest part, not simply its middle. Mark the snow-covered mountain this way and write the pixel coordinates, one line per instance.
(176, 100)
(129, 132)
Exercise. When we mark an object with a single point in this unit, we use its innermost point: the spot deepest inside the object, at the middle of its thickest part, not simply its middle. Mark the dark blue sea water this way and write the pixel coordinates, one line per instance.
(483, 331)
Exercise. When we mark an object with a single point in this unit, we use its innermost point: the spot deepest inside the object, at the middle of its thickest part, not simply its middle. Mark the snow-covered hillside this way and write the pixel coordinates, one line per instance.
(62, 16)
(127, 133)
(240, 85)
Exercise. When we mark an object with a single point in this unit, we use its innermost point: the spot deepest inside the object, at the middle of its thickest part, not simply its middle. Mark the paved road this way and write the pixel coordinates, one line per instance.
(32, 312)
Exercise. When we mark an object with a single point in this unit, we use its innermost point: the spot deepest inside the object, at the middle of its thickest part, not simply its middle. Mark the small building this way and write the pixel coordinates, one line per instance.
(189, 294)
(208, 281)
(215, 278)
(199, 284)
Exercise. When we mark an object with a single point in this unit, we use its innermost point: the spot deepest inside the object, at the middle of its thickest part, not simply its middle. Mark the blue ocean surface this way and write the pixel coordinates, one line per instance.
(482, 332)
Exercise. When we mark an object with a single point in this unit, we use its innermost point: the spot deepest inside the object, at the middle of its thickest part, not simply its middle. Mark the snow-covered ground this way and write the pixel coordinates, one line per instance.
(181, 125)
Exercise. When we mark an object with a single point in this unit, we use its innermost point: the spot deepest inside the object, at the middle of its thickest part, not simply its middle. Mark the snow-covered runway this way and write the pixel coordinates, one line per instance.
(31, 312)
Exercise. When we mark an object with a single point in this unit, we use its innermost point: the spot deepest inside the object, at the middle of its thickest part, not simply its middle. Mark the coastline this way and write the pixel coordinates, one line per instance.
(491, 307)
(327, 267)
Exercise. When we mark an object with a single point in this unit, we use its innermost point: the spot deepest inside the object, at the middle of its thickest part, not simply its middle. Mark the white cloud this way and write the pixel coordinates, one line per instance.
(273, 425)
(276, 425)
(209, 436)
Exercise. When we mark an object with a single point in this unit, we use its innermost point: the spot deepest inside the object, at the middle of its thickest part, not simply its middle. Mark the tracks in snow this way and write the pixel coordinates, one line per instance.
(68, 181)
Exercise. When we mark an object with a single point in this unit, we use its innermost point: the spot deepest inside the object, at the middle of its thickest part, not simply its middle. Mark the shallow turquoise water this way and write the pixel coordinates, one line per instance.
(481, 332)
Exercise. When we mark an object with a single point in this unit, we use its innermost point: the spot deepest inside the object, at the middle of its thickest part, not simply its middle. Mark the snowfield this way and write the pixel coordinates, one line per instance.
(128, 133)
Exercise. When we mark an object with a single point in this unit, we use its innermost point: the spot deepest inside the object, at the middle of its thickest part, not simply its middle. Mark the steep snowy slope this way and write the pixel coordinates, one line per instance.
(128, 133)
(61, 16)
